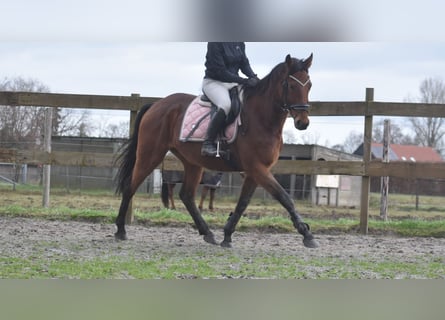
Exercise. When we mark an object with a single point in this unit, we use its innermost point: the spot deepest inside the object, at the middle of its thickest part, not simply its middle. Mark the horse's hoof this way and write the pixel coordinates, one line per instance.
(310, 243)
(120, 236)
(226, 244)
(210, 238)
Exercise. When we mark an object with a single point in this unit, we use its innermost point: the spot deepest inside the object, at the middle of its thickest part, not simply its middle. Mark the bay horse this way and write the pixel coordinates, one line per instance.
(256, 149)
(210, 182)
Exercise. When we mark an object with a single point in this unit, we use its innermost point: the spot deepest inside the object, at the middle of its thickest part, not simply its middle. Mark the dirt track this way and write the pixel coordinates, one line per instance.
(22, 237)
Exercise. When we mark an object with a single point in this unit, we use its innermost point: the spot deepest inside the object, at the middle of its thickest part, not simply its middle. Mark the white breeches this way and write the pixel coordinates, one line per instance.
(218, 93)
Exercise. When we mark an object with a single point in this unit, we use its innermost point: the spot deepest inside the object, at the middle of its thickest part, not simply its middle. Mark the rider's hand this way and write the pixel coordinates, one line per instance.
(252, 82)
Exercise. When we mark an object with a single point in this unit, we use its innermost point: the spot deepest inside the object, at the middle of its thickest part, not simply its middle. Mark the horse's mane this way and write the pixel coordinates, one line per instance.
(264, 84)
(277, 75)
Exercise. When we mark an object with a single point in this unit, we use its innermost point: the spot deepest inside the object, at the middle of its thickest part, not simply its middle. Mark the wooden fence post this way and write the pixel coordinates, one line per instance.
(385, 179)
(367, 140)
(47, 148)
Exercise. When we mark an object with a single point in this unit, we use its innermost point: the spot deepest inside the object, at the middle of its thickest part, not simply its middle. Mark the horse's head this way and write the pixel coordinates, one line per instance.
(296, 88)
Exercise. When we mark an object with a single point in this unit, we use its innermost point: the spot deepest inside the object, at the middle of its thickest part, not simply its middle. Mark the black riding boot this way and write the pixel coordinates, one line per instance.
(216, 125)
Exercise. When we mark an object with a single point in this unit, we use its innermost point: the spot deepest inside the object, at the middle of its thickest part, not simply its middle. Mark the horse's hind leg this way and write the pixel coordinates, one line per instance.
(145, 164)
(121, 234)
(192, 177)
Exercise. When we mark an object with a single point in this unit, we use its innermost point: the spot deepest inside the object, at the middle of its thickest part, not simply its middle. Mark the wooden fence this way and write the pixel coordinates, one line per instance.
(366, 168)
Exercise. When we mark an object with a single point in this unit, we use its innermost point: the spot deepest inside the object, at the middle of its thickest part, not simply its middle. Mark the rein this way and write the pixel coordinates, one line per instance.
(285, 107)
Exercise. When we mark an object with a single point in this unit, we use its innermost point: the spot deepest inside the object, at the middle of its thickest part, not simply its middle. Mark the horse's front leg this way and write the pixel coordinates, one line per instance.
(247, 191)
(268, 182)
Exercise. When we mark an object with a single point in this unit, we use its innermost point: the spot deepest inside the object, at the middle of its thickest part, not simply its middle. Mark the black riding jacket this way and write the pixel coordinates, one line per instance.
(225, 59)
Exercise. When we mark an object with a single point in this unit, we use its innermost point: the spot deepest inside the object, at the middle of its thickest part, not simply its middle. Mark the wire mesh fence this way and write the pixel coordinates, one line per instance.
(406, 196)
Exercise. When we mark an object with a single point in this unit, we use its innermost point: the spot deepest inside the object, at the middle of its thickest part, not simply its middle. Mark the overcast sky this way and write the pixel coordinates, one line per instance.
(99, 47)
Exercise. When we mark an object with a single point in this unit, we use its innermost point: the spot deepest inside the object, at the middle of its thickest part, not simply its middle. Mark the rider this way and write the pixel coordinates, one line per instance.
(223, 61)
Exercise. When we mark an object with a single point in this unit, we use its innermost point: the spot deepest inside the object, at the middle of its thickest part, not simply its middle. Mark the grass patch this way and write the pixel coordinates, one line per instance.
(265, 223)
(411, 228)
(223, 265)
(261, 215)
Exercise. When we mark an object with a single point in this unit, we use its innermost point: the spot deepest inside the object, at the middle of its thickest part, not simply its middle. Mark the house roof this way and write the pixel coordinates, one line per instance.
(399, 152)
(377, 152)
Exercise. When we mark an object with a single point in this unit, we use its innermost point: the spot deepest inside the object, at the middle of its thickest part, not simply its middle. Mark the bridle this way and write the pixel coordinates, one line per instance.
(299, 82)
(293, 107)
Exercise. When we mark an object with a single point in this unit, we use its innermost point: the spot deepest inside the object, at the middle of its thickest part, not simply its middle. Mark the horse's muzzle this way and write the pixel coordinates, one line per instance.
(301, 125)
(301, 120)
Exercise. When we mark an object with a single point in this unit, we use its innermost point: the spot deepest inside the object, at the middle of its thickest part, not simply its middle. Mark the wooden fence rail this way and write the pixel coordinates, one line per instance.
(134, 102)
(39, 99)
(366, 168)
(401, 169)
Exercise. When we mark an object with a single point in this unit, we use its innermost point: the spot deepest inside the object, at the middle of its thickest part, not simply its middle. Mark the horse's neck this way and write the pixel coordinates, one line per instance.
(267, 112)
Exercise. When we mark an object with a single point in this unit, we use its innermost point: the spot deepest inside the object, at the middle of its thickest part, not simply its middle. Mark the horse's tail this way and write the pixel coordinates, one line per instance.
(127, 157)
(164, 194)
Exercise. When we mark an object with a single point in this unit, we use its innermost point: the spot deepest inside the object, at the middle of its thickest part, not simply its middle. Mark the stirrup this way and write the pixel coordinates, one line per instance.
(217, 150)
(214, 152)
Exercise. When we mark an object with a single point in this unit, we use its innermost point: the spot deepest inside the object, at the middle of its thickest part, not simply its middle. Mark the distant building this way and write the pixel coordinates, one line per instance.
(84, 177)
(412, 153)
(331, 190)
(400, 152)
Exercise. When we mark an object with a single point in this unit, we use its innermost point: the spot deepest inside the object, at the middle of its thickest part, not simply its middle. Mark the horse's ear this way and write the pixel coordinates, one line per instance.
(308, 61)
(288, 60)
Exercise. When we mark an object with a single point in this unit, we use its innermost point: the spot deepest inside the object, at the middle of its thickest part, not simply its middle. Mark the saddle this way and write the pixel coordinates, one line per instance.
(199, 112)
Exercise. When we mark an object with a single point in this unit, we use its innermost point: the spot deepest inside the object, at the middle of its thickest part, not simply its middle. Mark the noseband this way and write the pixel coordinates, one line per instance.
(294, 107)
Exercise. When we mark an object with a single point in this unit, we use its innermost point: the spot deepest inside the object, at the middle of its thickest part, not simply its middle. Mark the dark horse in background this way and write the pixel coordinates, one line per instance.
(210, 182)
(284, 91)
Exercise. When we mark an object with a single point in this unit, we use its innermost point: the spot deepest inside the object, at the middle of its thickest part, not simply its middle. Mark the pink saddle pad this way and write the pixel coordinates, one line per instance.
(197, 119)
